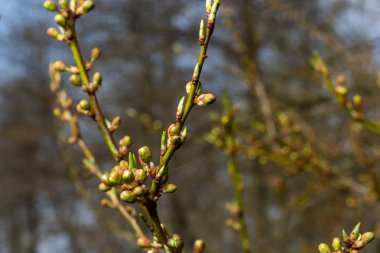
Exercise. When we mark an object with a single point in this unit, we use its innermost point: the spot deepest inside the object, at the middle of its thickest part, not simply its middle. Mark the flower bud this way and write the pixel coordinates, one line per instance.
(183, 134)
(174, 139)
(205, 99)
(145, 155)
(180, 109)
(95, 53)
(175, 242)
(196, 72)
(52, 32)
(60, 20)
(355, 232)
(208, 6)
(324, 248)
(104, 178)
(173, 130)
(368, 237)
(97, 78)
(126, 141)
(344, 235)
(143, 242)
(116, 121)
(84, 105)
(86, 7)
(164, 139)
(202, 33)
(103, 187)
(63, 3)
(358, 245)
(189, 85)
(59, 66)
(139, 191)
(336, 244)
(50, 6)
(116, 174)
(132, 161)
(128, 176)
(170, 188)
(75, 80)
(199, 245)
(128, 196)
(141, 175)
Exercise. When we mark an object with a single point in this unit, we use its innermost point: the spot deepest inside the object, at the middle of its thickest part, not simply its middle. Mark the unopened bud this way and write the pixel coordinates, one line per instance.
(86, 7)
(75, 80)
(52, 32)
(115, 177)
(164, 139)
(196, 72)
(355, 232)
(324, 248)
(60, 20)
(199, 245)
(358, 100)
(336, 244)
(84, 105)
(202, 33)
(95, 53)
(139, 191)
(189, 85)
(180, 109)
(145, 154)
(344, 235)
(143, 242)
(341, 90)
(126, 141)
(141, 175)
(208, 6)
(50, 6)
(105, 178)
(183, 134)
(368, 237)
(173, 130)
(63, 3)
(341, 80)
(128, 176)
(116, 121)
(132, 161)
(59, 66)
(170, 188)
(103, 187)
(97, 78)
(175, 242)
(128, 196)
(205, 99)
(358, 245)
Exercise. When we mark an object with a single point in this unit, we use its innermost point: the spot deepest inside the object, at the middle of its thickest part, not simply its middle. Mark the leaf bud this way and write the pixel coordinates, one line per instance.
(199, 246)
(95, 53)
(86, 7)
(336, 244)
(175, 242)
(368, 237)
(116, 121)
(59, 66)
(180, 109)
(97, 78)
(139, 191)
(196, 72)
(183, 134)
(355, 232)
(103, 187)
(164, 139)
(205, 99)
(189, 85)
(173, 130)
(50, 6)
(75, 80)
(128, 176)
(208, 6)
(60, 20)
(132, 161)
(84, 105)
(145, 154)
(344, 235)
(128, 196)
(126, 141)
(52, 32)
(170, 188)
(141, 175)
(324, 248)
(202, 33)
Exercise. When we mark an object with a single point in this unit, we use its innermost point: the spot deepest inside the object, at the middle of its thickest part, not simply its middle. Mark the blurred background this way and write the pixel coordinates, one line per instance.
(259, 55)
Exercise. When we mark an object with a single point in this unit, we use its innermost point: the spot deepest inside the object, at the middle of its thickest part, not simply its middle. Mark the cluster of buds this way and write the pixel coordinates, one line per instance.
(351, 243)
(84, 107)
(211, 10)
(173, 137)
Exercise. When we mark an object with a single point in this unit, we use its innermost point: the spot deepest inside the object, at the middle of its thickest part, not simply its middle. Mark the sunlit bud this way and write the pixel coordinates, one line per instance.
(50, 6)
(75, 80)
(170, 188)
(123, 164)
(128, 176)
(336, 244)
(355, 232)
(105, 178)
(173, 130)
(60, 20)
(95, 53)
(97, 78)
(164, 139)
(86, 7)
(189, 85)
(103, 187)
(324, 248)
(132, 161)
(344, 235)
(84, 105)
(208, 6)
(368, 237)
(126, 141)
(115, 177)
(199, 246)
(202, 32)
(145, 154)
(59, 66)
(175, 242)
(139, 191)
(63, 3)
(52, 32)
(196, 72)
(57, 112)
(358, 100)
(175, 139)
(128, 196)
(141, 175)
(143, 242)
(205, 99)
(116, 121)
(180, 109)
(358, 245)
(341, 90)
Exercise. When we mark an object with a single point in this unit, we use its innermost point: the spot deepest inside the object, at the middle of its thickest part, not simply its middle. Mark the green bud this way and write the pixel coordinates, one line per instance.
(208, 6)
(355, 232)
(175, 242)
(75, 80)
(103, 187)
(84, 105)
(189, 85)
(116, 174)
(170, 188)
(368, 237)
(205, 99)
(358, 100)
(143, 242)
(324, 248)
(202, 33)
(344, 235)
(128, 176)
(52, 32)
(139, 191)
(116, 121)
(60, 20)
(197, 69)
(183, 134)
(132, 161)
(173, 130)
(199, 245)
(86, 7)
(164, 139)
(126, 141)
(95, 53)
(358, 245)
(199, 88)
(141, 175)
(145, 154)
(50, 6)
(180, 109)
(152, 251)
(63, 3)
(59, 66)
(124, 163)
(336, 244)
(175, 139)
(97, 78)
(128, 196)
(104, 178)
